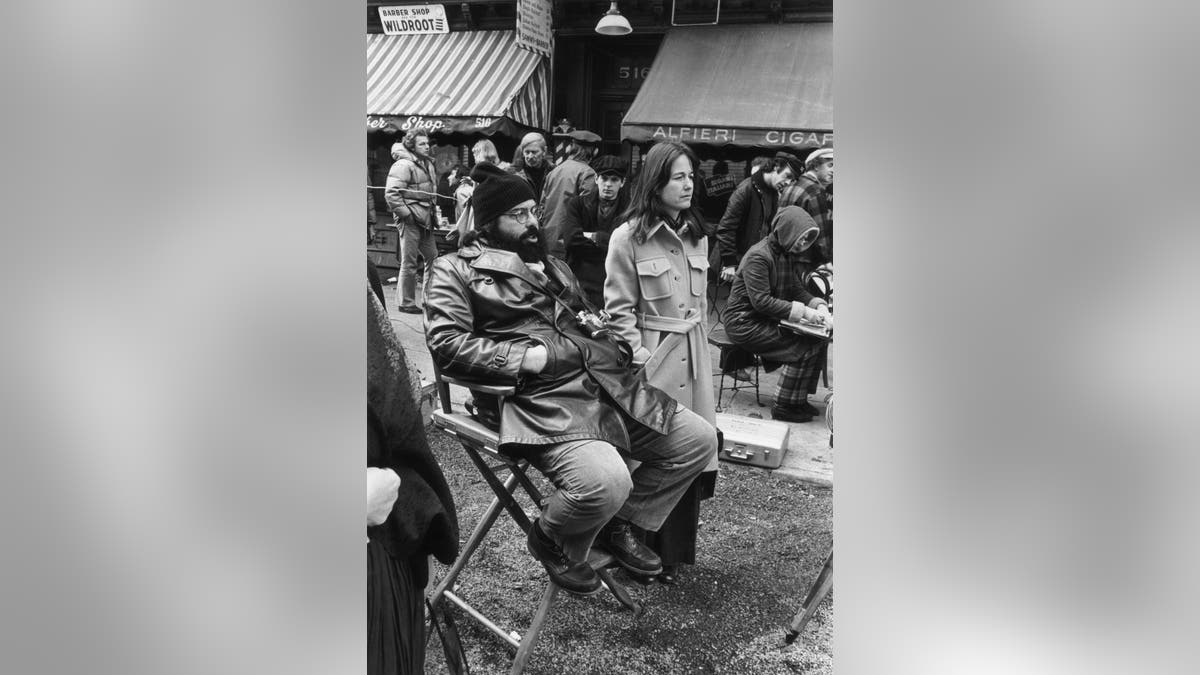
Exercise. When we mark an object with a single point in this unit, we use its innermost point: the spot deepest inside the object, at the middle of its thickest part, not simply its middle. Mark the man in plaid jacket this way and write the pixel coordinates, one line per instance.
(811, 192)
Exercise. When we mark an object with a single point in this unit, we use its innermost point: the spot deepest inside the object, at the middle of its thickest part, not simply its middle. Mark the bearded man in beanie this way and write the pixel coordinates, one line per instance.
(502, 312)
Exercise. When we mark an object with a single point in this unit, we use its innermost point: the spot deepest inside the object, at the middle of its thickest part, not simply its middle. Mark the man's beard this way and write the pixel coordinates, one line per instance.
(534, 251)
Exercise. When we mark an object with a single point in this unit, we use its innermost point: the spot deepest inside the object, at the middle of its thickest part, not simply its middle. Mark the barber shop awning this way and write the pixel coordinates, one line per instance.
(468, 82)
(768, 86)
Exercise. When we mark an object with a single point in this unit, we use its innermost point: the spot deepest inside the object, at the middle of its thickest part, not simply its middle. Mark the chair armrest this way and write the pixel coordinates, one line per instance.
(493, 389)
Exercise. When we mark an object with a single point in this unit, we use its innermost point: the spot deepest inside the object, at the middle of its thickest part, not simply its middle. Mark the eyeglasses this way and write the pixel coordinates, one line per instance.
(522, 215)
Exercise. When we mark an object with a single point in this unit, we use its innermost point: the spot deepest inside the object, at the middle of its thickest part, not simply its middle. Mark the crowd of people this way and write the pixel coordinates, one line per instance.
(585, 285)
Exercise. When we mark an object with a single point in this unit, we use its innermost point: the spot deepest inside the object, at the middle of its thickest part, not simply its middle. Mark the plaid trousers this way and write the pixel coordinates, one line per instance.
(799, 379)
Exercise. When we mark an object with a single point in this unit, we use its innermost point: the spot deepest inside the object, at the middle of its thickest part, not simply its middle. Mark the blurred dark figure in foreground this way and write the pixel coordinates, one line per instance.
(410, 512)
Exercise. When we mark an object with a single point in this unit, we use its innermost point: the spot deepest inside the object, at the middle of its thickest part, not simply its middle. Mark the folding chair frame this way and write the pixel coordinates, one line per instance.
(481, 445)
(816, 593)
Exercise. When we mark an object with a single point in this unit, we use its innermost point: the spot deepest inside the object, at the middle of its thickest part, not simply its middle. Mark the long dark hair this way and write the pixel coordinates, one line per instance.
(645, 205)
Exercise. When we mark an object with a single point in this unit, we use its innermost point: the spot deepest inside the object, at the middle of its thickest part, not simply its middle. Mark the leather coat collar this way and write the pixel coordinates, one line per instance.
(490, 259)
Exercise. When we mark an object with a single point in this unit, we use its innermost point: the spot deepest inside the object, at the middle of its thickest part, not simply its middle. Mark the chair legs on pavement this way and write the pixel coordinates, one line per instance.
(480, 443)
(816, 594)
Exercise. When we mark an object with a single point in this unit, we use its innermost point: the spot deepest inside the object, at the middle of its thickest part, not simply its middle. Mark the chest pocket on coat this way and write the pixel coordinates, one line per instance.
(698, 273)
(654, 277)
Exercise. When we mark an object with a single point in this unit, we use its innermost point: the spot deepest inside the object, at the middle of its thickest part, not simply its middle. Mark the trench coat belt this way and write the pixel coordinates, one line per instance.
(690, 326)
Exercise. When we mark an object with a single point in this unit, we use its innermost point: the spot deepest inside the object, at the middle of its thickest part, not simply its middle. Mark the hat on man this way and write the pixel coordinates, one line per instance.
(610, 165)
(584, 137)
(563, 128)
(498, 194)
(792, 161)
(817, 156)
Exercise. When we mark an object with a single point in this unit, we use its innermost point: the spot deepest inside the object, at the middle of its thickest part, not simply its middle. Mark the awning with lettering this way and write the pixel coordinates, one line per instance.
(476, 82)
(757, 85)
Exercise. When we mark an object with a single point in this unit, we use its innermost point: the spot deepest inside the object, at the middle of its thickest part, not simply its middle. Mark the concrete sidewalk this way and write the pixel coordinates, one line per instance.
(809, 457)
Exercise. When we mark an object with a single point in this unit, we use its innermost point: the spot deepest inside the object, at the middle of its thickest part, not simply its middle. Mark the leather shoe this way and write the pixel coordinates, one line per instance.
(570, 575)
(617, 538)
(410, 309)
(789, 414)
(668, 575)
(809, 408)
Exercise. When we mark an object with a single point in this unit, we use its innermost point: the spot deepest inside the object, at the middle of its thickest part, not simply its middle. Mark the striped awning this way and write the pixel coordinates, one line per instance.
(476, 82)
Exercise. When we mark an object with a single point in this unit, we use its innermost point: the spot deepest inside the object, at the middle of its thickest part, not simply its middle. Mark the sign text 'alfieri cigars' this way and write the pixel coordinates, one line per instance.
(735, 135)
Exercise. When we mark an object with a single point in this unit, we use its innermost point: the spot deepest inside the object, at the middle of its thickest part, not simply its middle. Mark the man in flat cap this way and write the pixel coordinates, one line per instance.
(573, 177)
(499, 311)
(589, 220)
(812, 192)
(751, 210)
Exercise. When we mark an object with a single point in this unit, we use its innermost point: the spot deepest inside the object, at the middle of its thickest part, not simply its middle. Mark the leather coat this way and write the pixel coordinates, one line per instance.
(747, 218)
(485, 307)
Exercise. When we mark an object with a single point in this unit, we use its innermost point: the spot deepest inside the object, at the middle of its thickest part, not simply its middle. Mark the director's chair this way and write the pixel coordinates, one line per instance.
(481, 444)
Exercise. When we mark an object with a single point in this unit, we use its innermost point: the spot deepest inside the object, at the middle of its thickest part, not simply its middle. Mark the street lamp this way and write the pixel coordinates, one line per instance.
(612, 23)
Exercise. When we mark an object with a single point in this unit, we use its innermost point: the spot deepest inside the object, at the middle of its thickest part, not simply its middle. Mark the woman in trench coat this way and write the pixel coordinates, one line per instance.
(655, 290)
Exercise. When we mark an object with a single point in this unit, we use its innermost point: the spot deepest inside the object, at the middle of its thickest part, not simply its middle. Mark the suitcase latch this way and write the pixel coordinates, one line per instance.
(741, 451)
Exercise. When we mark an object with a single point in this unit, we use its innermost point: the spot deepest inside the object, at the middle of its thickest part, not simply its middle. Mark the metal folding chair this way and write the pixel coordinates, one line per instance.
(718, 338)
(481, 445)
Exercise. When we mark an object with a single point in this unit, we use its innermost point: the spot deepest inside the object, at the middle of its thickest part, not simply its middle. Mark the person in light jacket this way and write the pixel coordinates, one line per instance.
(411, 193)
(655, 291)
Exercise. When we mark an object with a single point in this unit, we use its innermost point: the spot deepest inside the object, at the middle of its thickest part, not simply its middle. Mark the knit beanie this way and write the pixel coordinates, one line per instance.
(485, 170)
(498, 194)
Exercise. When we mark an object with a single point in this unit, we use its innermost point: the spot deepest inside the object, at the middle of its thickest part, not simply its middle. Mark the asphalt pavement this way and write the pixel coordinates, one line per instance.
(809, 457)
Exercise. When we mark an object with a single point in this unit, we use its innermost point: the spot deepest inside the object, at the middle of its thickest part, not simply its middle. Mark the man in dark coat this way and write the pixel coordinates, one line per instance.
(769, 288)
(502, 312)
(751, 209)
(573, 177)
(589, 220)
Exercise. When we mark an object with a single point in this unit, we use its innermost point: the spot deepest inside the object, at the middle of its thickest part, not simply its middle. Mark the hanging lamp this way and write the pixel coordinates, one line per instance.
(612, 23)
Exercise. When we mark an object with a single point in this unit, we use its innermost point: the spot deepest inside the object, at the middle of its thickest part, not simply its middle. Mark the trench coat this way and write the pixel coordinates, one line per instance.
(653, 290)
(484, 308)
(656, 292)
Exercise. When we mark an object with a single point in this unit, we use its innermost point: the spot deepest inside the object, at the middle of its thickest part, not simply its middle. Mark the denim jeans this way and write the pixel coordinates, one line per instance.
(414, 240)
(594, 484)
